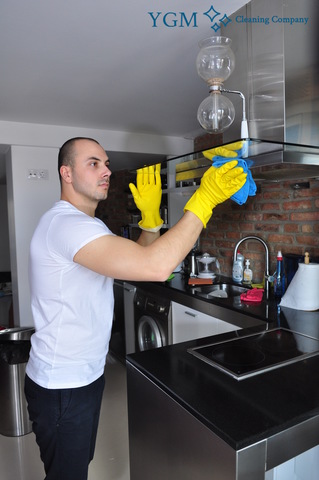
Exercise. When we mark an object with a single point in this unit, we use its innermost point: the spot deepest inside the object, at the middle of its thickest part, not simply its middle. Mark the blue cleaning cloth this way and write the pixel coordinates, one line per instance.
(249, 188)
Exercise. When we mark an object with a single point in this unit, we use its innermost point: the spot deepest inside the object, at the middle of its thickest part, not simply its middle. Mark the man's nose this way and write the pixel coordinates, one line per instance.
(107, 172)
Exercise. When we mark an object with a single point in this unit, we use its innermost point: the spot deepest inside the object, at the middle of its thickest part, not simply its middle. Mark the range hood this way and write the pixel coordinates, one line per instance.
(277, 69)
(269, 161)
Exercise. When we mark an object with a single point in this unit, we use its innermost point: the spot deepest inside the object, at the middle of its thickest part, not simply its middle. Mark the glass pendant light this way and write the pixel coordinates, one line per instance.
(215, 62)
(216, 113)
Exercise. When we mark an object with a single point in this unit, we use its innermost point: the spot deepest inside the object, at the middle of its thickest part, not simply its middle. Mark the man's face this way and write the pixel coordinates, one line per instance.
(90, 172)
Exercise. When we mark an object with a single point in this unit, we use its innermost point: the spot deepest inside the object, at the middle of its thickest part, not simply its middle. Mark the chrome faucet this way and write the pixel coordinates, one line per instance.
(267, 277)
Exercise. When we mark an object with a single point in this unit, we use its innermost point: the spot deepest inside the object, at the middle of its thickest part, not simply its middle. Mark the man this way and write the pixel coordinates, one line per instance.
(74, 258)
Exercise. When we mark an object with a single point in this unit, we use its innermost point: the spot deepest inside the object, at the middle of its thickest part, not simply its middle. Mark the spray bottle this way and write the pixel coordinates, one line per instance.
(279, 277)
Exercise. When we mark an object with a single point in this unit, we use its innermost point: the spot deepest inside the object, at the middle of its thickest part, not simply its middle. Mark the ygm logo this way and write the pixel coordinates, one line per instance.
(173, 19)
(273, 19)
(189, 20)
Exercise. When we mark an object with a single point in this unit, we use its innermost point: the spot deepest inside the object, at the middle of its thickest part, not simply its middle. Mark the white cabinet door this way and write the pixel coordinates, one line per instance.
(224, 327)
(189, 324)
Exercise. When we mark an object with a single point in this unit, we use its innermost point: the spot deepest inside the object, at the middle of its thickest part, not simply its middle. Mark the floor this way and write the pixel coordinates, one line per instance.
(19, 456)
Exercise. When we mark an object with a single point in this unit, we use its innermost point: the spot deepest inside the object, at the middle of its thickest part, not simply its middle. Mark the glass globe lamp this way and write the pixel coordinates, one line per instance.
(215, 61)
(216, 113)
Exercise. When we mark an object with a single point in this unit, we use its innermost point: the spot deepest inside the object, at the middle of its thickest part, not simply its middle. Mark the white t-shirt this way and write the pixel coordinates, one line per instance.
(72, 306)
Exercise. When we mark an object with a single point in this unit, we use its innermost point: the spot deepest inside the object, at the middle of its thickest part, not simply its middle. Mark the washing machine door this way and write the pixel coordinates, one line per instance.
(149, 334)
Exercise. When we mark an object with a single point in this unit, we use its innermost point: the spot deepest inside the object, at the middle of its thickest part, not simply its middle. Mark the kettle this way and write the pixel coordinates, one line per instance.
(208, 266)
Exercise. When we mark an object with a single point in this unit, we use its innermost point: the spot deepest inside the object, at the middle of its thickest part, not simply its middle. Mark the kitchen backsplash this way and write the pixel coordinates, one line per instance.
(285, 217)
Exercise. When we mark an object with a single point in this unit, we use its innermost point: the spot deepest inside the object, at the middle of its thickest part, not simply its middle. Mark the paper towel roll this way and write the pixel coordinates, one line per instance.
(303, 291)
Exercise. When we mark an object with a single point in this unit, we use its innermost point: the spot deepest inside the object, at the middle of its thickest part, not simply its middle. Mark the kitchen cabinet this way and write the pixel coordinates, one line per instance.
(117, 340)
(180, 187)
(189, 324)
(224, 327)
(194, 450)
(128, 295)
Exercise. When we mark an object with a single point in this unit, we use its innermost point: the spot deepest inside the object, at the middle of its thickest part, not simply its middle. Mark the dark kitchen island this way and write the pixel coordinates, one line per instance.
(187, 419)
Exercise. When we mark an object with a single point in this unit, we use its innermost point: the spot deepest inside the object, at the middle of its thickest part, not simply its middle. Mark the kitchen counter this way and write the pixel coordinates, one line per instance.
(239, 412)
(230, 309)
(277, 410)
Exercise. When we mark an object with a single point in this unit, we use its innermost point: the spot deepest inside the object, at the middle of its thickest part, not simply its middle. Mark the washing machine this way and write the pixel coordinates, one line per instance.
(152, 321)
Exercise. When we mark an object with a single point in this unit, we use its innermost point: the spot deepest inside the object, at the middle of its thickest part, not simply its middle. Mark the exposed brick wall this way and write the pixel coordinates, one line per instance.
(117, 209)
(207, 141)
(285, 218)
(114, 210)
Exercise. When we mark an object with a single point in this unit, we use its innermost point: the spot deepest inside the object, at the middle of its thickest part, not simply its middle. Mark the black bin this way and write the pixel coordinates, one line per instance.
(14, 353)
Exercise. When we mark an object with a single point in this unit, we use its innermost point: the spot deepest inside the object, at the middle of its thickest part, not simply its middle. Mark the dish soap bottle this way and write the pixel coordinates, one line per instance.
(279, 277)
(307, 258)
(248, 274)
(238, 268)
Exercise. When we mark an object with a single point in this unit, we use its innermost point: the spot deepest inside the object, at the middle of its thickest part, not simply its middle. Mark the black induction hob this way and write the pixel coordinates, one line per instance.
(253, 354)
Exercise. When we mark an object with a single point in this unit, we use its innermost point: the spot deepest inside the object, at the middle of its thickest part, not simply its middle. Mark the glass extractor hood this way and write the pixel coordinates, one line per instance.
(269, 161)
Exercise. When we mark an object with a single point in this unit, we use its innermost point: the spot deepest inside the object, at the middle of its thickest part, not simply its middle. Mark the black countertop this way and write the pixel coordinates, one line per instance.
(178, 290)
(239, 412)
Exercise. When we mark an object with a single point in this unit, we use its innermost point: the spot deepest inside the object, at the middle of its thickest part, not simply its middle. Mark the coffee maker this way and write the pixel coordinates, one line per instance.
(190, 264)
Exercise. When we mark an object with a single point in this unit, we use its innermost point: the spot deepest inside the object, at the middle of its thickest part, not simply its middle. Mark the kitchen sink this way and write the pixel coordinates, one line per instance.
(220, 290)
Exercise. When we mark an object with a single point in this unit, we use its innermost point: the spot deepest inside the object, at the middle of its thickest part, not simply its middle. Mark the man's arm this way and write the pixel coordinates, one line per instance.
(120, 258)
(146, 238)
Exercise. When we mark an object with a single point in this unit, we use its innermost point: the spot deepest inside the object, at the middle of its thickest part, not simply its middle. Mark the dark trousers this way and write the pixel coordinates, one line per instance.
(65, 424)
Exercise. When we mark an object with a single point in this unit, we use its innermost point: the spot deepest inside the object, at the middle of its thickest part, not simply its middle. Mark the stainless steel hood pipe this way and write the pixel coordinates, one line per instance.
(277, 65)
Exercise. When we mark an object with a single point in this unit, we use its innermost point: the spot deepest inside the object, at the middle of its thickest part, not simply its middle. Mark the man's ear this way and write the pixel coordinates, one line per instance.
(65, 172)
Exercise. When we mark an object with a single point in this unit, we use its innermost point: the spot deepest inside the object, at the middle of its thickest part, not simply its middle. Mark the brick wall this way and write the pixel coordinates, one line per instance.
(287, 219)
(207, 141)
(117, 209)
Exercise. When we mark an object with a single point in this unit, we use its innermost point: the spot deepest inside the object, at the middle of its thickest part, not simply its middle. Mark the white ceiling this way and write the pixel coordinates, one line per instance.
(103, 64)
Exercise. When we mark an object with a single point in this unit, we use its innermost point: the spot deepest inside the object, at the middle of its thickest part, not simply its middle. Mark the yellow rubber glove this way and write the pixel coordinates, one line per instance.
(147, 197)
(229, 151)
(217, 185)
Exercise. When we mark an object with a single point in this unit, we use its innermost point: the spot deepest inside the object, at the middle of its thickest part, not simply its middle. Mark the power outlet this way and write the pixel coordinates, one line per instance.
(43, 174)
(37, 174)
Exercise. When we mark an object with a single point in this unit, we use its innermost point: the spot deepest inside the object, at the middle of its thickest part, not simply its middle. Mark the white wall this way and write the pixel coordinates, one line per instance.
(27, 201)
(4, 235)
(27, 134)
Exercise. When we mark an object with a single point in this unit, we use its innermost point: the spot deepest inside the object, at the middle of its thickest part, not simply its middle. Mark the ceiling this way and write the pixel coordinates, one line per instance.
(122, 65)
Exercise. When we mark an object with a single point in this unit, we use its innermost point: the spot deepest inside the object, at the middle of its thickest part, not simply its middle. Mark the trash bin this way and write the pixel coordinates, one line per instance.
(14, 353)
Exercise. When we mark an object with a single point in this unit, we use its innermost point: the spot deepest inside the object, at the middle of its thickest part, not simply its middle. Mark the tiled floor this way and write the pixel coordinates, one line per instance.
(19, 456)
